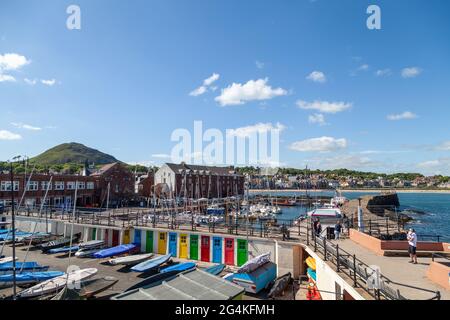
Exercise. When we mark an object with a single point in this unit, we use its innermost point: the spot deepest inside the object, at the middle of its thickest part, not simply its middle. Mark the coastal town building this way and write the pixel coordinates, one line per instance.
(92, 191)
(194, 181)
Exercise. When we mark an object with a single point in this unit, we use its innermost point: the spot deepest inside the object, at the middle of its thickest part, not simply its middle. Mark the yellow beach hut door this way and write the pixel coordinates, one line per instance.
(183, 246)
(162, 242)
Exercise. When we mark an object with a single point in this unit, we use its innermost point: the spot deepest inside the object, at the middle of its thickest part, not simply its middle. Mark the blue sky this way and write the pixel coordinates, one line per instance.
(344, 95)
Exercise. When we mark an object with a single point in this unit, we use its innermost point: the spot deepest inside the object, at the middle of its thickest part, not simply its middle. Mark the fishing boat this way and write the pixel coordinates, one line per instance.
(56, 284)
(164, 274)
(92, 244)
(254, 263)
(64, 249)
(88, 289)
(151, 264)
(59, 242)
(215, 270)
(130, 260)
(115, 251)
(27, 278)
(280, 285)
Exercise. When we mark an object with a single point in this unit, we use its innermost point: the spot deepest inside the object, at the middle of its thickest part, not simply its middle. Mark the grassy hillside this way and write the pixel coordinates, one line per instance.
(72, 153)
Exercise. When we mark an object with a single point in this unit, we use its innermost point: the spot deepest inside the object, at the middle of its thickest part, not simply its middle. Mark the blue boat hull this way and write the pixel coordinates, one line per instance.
(151, 264)
(115, 251)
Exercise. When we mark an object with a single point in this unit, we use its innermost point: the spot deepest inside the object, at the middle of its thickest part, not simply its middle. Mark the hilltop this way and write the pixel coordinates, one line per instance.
(72, 153)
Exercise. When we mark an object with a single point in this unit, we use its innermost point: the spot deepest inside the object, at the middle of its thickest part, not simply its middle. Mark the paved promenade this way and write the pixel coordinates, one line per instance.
(397, 269)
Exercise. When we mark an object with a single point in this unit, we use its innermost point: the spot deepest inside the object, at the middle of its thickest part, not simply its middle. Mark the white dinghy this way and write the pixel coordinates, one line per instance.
(130, 260)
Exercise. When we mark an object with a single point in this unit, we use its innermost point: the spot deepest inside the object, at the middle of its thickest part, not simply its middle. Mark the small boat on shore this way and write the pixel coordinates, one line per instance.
(280, 285)
(164, 274)
(151, 264)
(61, 242)
(56, 284)
(254, 263)
(38, 238)
(27, 278)
(6, 259)
(21, 267)
(87, 252)
(115, 251)
(130, 260)
(88, 289)
(215, 270)
(92, 244)
(64, 250)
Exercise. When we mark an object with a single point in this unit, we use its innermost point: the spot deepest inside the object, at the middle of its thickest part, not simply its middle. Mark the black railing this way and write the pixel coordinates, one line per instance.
(360, 273)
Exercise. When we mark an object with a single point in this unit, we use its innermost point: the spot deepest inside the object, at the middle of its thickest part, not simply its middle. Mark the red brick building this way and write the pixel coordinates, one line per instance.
(92, 190)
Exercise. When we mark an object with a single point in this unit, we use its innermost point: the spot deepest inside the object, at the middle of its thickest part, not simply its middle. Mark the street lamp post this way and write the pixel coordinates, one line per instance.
(13, 225)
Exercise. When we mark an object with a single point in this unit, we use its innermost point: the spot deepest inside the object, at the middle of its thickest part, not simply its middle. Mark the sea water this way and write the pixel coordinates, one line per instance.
(430, 211)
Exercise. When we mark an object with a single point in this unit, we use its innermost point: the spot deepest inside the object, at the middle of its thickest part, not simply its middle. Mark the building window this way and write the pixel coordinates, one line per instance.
(90, 185)
(59, 185)
(71, 185)
(32, 186)
(81, 185)
(45, 185)
(6, 186)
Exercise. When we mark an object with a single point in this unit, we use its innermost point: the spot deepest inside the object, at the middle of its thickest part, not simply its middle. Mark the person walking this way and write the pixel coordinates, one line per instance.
(337, 230)
(318, 228)
(412, 245)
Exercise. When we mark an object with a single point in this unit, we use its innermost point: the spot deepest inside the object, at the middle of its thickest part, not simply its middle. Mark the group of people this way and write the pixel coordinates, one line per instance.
(317, 227)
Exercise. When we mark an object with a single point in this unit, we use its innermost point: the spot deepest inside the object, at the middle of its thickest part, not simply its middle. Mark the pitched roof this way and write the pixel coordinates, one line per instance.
(190, 285)
(104, 169)
(223, 171)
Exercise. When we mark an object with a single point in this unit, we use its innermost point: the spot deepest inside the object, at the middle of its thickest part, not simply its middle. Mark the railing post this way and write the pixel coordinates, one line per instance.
(307, 233)
(387, 225)
(315, 243)
(325, 248)
(337, 259)
(354, 271)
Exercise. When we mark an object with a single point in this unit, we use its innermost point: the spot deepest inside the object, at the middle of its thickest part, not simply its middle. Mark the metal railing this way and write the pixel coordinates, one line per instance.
(362, 275)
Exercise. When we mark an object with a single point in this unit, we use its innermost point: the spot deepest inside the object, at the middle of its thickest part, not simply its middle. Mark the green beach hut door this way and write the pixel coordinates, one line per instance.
(194, 247)
(149, 241)
(242, 253)
(94, 233)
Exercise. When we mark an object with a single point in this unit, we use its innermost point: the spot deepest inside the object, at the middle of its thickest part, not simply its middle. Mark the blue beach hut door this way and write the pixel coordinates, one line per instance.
(217, 250)
(173, 244)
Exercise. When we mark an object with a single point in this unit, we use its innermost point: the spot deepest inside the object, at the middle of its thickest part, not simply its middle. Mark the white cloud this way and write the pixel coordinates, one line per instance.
(317, 118)
(12, 61)
(259, 64)
(25, 126)
(407, 115)
(322, 144)
(8, 135)
(30, 82)
(161, 156)
(206, 83)
(48, 82)
(435, 167)
(211, 80)
(317, 76)
(363, 67)
(238, 94)
(257, 128)
(411, 72)
(383, 72)
(324, 106)
(7, 78)
(445, 146)
(197, 92)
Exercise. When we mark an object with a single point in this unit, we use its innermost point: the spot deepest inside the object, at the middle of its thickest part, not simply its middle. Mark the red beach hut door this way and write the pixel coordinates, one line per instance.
(229, 251)
(205, 248)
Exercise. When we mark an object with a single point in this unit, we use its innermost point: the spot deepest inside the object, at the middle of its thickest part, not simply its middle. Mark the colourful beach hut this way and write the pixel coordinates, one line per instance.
(229, 251)
(162, 243)
(193, 247)
(205, 248)
(183, 250)
(173, 244)
(217, 250)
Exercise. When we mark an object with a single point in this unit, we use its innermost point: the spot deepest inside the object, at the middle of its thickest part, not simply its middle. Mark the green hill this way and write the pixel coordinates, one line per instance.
(72, 153)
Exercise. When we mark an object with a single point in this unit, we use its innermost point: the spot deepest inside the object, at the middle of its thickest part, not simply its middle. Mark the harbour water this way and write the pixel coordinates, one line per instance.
(430, 211)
